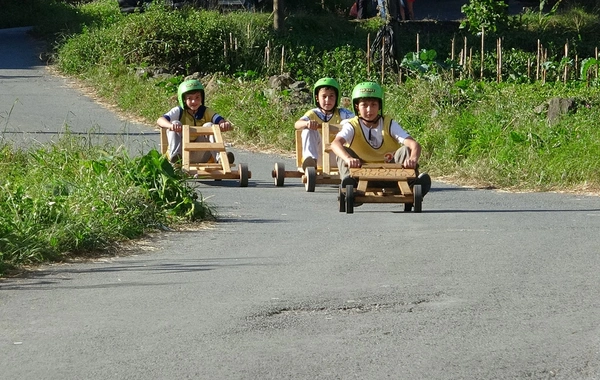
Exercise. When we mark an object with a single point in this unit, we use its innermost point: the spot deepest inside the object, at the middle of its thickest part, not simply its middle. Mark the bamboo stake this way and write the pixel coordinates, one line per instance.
(544, 57)
(418, 50)
(382, 59)
(596, 62)
(462, 59)
(566, 70)
(528, 69)
(452, 58)
(464, 63)
(268, 53)
(471, 74)
(481, 66)
(537, 65)
(282, 58)
(230, 39)
(248, 31)
(499, 60)
(368, 55)
(225, 49)
(236, 44)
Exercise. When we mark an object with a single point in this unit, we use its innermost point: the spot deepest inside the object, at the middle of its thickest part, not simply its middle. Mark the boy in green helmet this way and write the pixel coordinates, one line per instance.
(372, 137)
(326, 92)
(191, 111)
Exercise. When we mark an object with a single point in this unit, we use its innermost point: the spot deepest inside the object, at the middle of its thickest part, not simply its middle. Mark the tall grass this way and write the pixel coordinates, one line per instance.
(72, 197)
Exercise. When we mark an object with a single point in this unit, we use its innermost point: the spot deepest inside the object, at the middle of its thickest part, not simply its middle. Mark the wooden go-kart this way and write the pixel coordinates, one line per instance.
(206, 170)
(322, 174)
(381, 183)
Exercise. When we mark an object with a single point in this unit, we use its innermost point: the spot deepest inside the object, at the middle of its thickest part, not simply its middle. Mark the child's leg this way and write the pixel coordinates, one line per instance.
(341, 164)
(401, 155)
(402, 13)
(411, 12)
(311, 144)
(174, 150)
(202, 157)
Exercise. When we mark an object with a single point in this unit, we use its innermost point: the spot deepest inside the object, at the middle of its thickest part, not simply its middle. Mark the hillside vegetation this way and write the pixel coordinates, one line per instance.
(476, 125)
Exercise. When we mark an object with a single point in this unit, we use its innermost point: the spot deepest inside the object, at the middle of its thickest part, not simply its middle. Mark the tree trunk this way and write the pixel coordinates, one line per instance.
(278, 15)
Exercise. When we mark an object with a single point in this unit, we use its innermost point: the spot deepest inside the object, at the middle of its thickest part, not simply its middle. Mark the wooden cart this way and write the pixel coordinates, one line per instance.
(206, 170)
(322, 174)
(381, 183)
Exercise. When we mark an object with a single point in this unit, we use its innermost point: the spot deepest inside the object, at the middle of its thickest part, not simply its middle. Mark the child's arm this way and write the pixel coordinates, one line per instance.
(174, 125)
(415, 153)
(337, 146)
(306, 124)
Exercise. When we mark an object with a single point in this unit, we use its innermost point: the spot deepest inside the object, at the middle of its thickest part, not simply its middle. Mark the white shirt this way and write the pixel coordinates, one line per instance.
(344, 114)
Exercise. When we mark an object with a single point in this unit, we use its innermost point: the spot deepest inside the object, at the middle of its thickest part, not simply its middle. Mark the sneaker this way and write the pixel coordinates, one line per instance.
(349, 181)
(231, 157)
(309, 161)
(425, 181)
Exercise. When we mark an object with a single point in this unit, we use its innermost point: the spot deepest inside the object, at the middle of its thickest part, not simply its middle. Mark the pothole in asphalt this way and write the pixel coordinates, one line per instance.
(339, 310)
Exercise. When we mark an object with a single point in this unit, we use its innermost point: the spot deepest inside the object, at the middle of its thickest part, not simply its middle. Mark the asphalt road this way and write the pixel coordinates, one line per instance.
(481, 285)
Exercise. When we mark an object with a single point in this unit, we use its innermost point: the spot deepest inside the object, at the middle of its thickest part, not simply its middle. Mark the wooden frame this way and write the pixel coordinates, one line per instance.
(381, 183)
(324, 173)
(207, 170)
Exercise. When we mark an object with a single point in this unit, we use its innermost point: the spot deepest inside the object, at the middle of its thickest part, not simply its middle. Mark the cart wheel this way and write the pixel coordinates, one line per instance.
(243, 170)
(408, 207)
(349, 199)
(418, 201)
(279, 174)
(341, 199)
(311, 179)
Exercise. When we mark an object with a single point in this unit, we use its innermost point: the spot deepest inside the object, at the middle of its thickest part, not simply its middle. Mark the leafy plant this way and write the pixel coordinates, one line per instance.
(423, 64)
(488, 15)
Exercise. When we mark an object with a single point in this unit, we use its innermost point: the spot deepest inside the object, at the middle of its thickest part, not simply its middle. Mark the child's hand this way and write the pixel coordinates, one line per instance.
(176, 126)
(225, 126)
(311, 124)
(410, 163)
(353, 162)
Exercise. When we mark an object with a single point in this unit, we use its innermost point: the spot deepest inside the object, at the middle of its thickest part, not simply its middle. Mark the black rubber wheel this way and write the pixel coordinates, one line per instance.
(311, 179)
(408, 207)
(243, 170)
(341, 199)
(349, 199)
(279, 174)
(418, 201)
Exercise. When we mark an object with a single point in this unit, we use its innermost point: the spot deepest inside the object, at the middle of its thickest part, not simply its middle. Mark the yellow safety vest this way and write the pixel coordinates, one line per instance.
(360, 144)
(336, 118)
(187, 119)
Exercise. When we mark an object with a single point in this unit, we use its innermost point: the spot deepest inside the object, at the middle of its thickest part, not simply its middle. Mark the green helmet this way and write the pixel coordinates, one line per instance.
(326, 82)
(189, 86)
(367, 90)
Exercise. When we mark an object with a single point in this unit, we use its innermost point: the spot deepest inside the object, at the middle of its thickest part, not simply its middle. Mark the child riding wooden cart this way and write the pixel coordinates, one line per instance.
(324, 173)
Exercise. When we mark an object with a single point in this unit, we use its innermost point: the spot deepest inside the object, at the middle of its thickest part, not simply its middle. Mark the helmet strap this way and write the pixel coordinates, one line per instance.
(376, 120)
(326, 111)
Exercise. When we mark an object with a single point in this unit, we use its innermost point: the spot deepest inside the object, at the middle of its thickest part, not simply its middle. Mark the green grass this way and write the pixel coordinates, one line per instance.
(75, 198)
